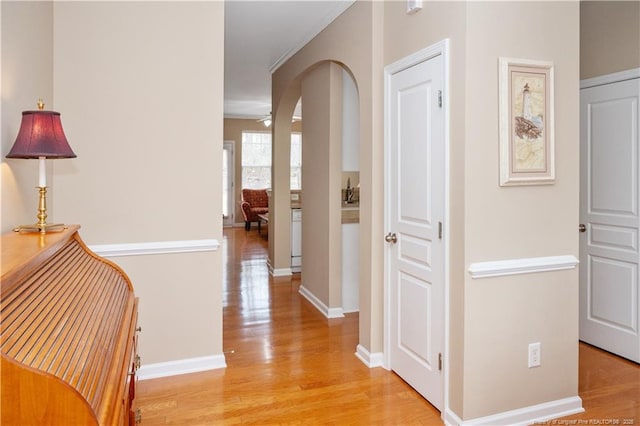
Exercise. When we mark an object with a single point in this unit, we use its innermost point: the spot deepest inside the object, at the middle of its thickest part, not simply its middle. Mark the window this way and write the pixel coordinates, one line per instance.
(256, 160)
(296, 161)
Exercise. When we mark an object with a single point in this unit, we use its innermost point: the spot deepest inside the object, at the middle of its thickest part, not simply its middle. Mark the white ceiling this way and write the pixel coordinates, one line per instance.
(259, 36)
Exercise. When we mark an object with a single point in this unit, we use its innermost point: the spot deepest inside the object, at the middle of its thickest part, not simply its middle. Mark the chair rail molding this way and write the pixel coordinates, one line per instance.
(158, 247)
(522, 266)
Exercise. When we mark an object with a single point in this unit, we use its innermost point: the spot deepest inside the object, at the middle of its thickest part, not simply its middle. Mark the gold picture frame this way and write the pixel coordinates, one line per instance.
(527, 153)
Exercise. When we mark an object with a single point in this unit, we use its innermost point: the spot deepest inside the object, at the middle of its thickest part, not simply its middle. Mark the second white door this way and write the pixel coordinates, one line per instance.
(610, 215)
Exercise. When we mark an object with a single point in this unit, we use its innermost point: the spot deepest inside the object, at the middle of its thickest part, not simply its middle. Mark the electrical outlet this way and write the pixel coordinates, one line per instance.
(534, 354)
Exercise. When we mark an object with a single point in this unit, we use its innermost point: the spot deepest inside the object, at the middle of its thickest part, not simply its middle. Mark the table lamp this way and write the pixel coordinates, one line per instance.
(41, 136)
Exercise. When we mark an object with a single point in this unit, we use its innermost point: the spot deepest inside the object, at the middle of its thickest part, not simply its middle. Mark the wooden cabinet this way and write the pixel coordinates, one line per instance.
(68, 334)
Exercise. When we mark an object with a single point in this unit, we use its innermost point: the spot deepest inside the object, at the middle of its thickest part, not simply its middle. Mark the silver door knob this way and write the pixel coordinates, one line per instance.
(582, 228)
(391, 238)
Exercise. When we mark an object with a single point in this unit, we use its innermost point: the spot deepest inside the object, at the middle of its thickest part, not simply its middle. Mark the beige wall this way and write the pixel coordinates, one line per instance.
(180, 310)
(609, 37)
(140, 86)
(26, 75)
(321, 174)
(504, 315)
(233, 128)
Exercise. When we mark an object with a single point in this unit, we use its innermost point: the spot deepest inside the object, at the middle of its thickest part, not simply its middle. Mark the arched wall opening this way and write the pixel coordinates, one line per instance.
(362, 25)
(330, 162)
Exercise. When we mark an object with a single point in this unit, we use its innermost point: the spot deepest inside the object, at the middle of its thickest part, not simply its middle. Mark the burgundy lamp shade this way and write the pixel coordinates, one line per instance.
(41, 135)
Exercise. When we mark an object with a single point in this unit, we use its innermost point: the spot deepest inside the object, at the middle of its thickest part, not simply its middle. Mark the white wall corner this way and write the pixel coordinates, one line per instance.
(371, 360)
(181, 366)
(522, 416)
(319, 304)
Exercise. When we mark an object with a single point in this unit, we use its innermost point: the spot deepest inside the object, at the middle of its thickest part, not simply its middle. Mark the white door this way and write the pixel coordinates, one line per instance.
(609, 194)
(415, 213)
(227, 183)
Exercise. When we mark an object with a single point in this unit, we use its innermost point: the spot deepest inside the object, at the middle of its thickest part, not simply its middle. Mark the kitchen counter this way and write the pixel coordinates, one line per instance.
(350, 213)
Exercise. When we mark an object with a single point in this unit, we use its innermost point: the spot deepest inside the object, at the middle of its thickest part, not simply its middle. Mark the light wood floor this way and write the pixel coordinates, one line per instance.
(609, 387)
(287, 364)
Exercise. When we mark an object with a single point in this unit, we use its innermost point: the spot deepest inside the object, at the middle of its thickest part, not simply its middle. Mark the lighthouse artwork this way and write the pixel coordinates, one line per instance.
(526, 117)
(528, 126)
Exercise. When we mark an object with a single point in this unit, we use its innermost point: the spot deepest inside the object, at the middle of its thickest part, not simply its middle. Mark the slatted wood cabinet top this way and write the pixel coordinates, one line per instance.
(67, 333)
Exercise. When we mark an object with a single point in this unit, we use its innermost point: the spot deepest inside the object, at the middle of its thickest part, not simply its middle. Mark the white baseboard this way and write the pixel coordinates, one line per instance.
(370, 360)
(181, 366)
(319, 304)
(450, 418)
(522, 416)
(281, 272)
(278, 272)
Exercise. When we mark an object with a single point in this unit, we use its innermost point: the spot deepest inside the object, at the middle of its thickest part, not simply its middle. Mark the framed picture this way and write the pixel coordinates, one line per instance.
(526, 122)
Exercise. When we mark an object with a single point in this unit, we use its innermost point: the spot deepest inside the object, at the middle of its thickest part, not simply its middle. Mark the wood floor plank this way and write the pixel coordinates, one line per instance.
(288, 364)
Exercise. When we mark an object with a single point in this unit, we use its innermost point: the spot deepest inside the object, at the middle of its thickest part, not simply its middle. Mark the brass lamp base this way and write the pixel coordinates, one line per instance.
(42, 226)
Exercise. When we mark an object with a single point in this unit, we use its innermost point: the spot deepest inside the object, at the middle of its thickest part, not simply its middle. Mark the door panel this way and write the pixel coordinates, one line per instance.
(609, 191)
(614, 159)
(611, 282)
(413, 294)
(415, 205)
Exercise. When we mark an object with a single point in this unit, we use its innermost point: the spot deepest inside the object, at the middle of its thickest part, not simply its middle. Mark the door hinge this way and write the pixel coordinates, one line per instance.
(440, 230)
(440, 361)
(440, 98)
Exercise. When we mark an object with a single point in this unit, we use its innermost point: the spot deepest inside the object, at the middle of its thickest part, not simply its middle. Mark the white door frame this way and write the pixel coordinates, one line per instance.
(440, 48)
(232, 176)
(610, 78)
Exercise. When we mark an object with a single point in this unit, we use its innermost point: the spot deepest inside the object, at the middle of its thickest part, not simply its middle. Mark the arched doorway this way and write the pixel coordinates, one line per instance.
(331, 129)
